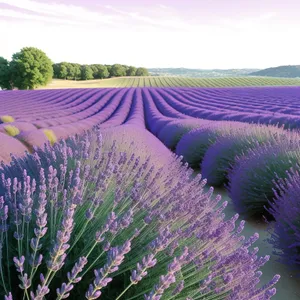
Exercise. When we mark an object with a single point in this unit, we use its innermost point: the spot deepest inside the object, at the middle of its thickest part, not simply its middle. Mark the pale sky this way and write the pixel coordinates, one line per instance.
(156, 33)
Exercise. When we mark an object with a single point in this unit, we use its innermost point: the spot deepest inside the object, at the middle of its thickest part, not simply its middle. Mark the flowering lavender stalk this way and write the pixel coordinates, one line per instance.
(41, 230)
(137, 275)
(73, 277)
(166, 280)
(115, 258)
(57, 253)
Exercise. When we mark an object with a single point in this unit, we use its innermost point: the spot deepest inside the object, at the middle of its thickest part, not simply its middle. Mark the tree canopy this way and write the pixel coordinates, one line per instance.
(65, 70)
(142, 72)
(5, 74)
(30, 68)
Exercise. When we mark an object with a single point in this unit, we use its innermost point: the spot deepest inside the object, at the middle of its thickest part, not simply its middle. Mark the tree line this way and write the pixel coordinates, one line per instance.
(73, 71)
(31, 68)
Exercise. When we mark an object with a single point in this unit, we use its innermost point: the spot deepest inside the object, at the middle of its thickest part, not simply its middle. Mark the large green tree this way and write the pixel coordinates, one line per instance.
(100, 71)
(86, 72)
(117, 70)
(30, 68)
(131, 71)
(142, 72)
(77, 71)
(5, 75)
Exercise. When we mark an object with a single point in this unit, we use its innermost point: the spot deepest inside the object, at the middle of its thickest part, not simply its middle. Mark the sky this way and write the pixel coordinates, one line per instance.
(204, 34)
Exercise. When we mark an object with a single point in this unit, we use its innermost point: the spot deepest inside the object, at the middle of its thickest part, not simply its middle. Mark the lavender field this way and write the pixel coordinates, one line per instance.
(99, 196)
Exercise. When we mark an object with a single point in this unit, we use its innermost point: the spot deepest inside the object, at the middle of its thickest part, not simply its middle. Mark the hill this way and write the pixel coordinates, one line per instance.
(282, 71)
(184, 72)
(173, 82)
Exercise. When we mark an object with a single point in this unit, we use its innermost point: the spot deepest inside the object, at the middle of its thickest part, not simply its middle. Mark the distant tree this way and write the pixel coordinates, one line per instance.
(95, 71)
(86, 72)
(5, 75)
(108, 67)
(142, 72)
(30, 68)
(77, 71)
(117, 70)
(56, 70)
(63, 70)
(100, 72)
(71, 71)
(131, 71)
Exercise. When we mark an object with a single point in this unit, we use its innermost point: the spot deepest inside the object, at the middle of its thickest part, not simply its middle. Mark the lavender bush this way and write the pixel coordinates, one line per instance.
(195, 143)
(251, 179)
(83, 222)
(221, 155)
(9, 144)
(286, 210)
(172, 132)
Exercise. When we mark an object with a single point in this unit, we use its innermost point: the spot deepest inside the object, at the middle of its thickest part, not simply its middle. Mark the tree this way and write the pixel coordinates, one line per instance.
(142, 72)
(5, 75)
(117, 70)
(131, 71)
(86, 72)
(30, 68)
(100, 71)
(77, 71)
(56, 70)
(71, 71)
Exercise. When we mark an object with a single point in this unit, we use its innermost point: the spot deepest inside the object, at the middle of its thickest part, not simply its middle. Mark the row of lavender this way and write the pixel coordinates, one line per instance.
(263, 105)
(91, 217)
(172, 113)
(67, 112)
(258, 164)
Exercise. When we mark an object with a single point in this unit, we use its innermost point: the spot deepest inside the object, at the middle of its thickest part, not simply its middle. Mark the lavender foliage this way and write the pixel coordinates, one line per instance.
(220, 156)
(194, 144)
(285, 208)
(82, 217)
(251, 178)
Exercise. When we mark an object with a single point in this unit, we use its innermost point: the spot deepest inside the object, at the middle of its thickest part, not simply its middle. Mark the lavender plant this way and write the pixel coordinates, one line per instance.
(84, 222)
(9, 144)
(251, 178)
(285, 208)
(220, 156)
(172, 132)
(195, 143)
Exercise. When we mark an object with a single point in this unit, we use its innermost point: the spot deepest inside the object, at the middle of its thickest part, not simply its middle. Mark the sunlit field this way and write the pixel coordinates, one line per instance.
(101, 192)
(173, 81)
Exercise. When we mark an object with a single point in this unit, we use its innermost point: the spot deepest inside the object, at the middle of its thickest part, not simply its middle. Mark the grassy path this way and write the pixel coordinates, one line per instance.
(288, 286)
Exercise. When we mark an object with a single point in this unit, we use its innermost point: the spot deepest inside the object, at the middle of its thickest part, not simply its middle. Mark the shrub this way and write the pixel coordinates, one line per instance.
(11, 130)
(36, 138)
(143, 232)
(251, 177)
(7, 119)
(10, 145)
(172, 132)
(50, 135)
(221, 155)
(195, 143)
(286, 210)
(22, 126)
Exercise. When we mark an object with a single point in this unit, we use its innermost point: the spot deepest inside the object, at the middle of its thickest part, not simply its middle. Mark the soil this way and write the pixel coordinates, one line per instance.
(288, 286)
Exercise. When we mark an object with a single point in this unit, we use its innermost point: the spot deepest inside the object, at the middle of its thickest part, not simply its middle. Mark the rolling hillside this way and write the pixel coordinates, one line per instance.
(184, 72)
(282, 71)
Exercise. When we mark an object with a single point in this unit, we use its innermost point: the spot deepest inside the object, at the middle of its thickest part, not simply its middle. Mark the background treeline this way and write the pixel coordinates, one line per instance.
(73, 71)
(31, 68)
